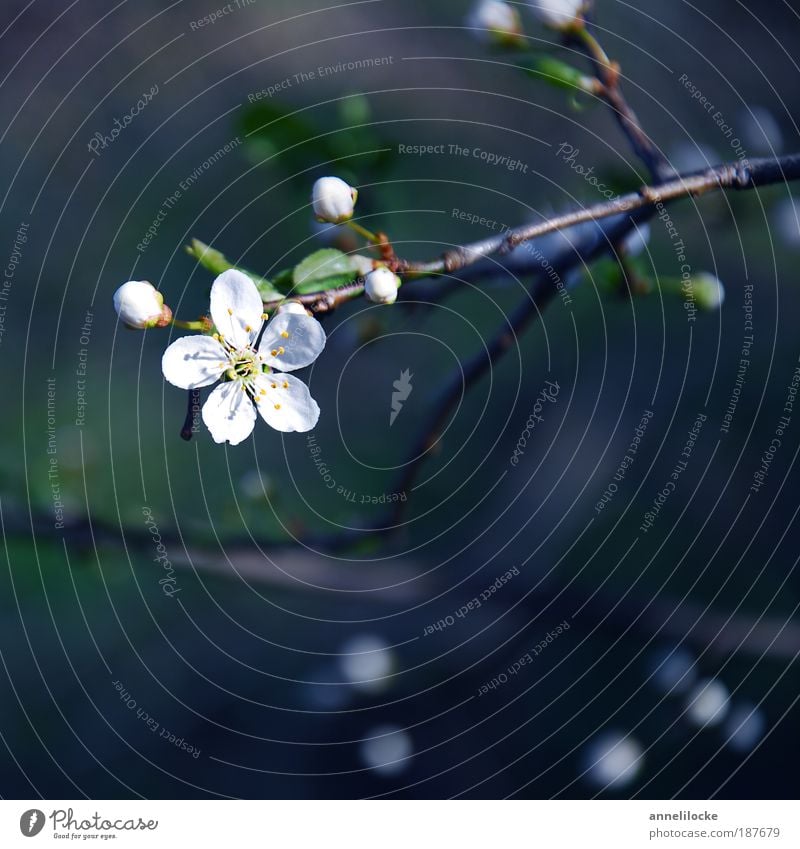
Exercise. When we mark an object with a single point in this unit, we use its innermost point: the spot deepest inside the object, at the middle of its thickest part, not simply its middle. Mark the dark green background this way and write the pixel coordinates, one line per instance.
(225, 667)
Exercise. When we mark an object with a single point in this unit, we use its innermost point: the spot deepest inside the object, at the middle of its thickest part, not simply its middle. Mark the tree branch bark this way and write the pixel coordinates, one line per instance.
(735, 176)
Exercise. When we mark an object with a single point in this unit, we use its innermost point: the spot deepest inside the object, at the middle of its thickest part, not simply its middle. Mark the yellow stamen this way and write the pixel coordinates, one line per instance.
(285, 384)
(230, 311)
(281, 350)
(277, 406)
(274, 352)
(285, 334)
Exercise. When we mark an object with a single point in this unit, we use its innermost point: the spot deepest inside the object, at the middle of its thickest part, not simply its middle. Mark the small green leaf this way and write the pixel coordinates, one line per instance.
(324, 285)
(323, 265)
(557, 73)
(324, 270)
(216, 262)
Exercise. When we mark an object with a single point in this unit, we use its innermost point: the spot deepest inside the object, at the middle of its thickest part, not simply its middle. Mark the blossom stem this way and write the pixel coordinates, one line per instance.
(200, 324)
(593, 48)
(362, 231)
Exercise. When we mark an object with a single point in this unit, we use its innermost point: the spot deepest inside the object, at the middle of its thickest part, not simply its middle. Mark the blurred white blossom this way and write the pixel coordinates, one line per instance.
(387, 750)
(613, 759)
(708, 703)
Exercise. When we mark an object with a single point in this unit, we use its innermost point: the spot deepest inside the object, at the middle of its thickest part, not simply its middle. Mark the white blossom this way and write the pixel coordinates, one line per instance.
(251, 369)
(614, 759)
(140, 305)
(381, 286)
(744, 727)
(495, 19)
(366, 662)
(387, 750)
(708, 703)
(559, 14)
(333, 200)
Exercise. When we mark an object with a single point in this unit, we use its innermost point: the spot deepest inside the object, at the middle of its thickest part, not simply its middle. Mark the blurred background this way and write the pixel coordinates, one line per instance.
(249, 656)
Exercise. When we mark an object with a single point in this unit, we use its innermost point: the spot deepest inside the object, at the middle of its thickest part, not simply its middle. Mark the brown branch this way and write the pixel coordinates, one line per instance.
(736, 175)
(278, 566)
(747, 174)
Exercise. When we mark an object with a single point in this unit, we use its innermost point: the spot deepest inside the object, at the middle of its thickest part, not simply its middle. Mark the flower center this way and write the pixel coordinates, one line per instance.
(244, 365)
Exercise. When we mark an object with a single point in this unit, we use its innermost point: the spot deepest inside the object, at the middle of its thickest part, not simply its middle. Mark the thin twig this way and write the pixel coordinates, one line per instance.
(541, 292)
(608, 74)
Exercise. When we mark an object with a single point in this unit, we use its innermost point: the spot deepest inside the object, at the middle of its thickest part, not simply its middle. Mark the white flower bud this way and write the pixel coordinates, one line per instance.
(140, 305)
(496, 20)
(381, 286)
(559, 14)
(333, 200)
(292, 306)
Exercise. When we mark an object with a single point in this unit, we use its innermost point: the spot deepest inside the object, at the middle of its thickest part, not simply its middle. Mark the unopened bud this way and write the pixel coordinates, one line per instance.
(496, 21)
(559, 14)
(381, 286)
(140, 305)
(333, 200)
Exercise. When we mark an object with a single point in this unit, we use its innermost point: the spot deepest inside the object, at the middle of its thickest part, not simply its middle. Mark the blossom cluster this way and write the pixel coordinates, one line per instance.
(501, 22)
(240, 348)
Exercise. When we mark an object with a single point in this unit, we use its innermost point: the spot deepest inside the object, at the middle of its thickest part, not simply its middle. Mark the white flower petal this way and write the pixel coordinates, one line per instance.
(229, 414)
(300, 336)
(194, 361)
(285, 403)
(292, 306)
(235, 307)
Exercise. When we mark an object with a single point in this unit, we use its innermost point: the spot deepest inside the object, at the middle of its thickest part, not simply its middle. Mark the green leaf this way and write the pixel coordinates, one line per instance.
(557, 73)
(324, 284)
(216, 262)
(323, 265)
(323, 270)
